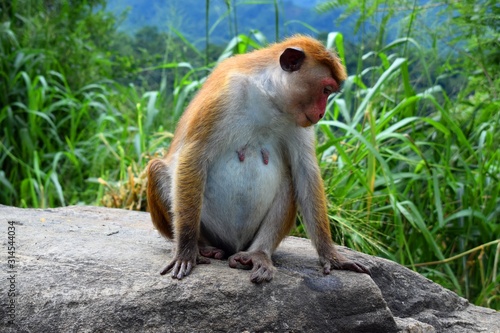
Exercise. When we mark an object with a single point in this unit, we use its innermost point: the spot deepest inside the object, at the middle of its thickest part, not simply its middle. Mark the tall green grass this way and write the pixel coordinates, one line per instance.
(414, 186)
(45, 135)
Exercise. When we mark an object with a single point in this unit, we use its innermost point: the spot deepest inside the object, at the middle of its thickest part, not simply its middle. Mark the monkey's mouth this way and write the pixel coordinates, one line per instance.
(309, 122)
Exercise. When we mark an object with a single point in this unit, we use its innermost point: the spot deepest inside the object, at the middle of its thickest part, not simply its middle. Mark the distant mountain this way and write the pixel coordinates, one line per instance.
(189, 17)
(306, 3)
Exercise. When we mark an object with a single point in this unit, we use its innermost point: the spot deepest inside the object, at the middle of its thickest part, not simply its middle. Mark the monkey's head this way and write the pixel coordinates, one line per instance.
(311, 73)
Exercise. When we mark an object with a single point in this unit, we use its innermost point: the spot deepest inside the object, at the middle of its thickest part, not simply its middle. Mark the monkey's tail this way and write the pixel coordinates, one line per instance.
(158, 198)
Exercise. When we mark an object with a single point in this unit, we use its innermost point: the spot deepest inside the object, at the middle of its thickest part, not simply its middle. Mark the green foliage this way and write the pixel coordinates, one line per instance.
(412, 187)
(408, 150)
(62, 119)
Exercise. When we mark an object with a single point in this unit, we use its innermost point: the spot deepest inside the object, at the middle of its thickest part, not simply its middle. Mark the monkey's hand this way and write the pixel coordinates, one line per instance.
(182, 264)
(334, 260)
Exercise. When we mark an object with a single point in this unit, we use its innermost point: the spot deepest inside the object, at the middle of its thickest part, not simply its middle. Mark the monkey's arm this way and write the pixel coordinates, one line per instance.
(311, 198)
(188, 188)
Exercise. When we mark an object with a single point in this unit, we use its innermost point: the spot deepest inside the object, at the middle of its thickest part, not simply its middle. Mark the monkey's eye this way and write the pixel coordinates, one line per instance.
(327, 90)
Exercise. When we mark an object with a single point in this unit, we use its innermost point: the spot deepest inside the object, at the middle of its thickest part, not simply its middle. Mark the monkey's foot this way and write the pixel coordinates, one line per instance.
(211, 252)
(181, 267)
(354, 266)
(262, 266)
(336, 261)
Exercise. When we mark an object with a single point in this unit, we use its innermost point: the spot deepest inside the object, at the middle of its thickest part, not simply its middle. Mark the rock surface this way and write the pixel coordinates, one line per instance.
(91, 269)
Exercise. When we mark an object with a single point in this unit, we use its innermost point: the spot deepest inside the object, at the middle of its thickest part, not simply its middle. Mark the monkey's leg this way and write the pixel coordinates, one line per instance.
(159, 197)
(276, 225)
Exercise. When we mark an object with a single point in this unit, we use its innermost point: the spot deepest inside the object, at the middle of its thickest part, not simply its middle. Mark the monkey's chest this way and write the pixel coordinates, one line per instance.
(241, 187)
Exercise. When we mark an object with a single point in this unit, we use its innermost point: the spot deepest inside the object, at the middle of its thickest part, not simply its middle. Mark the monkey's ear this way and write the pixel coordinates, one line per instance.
(291, 59)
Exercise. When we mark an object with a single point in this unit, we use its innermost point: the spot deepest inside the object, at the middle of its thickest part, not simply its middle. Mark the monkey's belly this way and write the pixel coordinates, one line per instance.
(238, 194)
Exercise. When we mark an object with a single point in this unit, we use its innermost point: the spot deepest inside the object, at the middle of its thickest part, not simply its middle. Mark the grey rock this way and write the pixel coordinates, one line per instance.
(92, 269)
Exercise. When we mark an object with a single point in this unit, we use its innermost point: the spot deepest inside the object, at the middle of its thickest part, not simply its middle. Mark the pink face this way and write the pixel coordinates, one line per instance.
(315, 109)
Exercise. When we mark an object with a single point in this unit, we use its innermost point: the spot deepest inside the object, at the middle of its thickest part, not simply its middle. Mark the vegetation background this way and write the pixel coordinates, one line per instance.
(409, 150)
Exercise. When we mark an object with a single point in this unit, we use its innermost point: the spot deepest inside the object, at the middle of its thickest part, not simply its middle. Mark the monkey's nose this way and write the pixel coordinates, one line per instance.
(320, 115)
